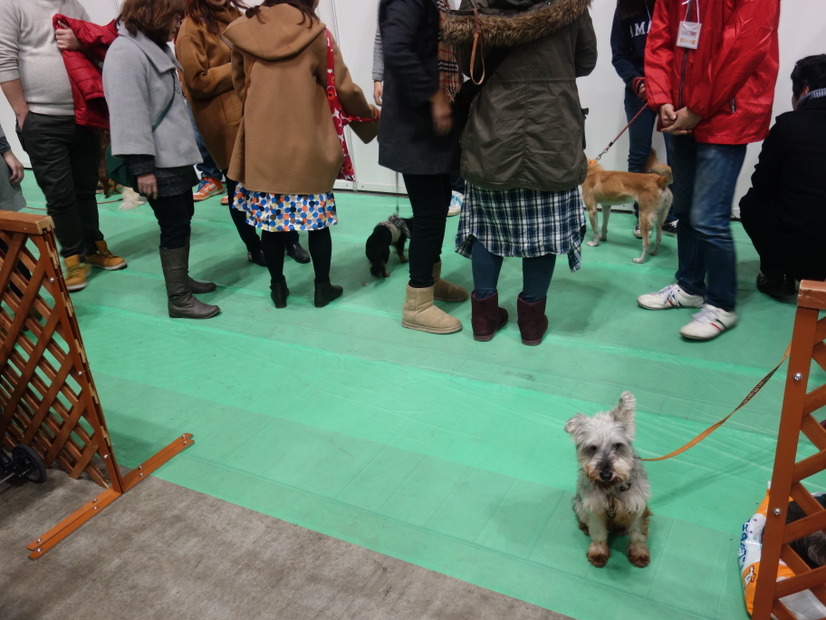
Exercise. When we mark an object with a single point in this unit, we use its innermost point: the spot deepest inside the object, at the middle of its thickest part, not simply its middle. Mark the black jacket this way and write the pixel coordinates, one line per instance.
(788, 189)
(407, 143)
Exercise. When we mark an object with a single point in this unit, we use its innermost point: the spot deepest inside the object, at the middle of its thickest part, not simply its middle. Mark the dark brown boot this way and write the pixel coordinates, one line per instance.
(531, 320)
(487, 317)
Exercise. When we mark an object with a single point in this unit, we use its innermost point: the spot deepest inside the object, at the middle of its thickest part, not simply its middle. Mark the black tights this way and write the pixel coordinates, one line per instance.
(429, 197)
(248, 232)
(320, 246)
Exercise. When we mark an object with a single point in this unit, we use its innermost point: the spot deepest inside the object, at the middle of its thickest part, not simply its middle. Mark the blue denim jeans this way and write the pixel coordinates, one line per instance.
(705, 176)
(537, 273)
(639, 138)
(207, 167)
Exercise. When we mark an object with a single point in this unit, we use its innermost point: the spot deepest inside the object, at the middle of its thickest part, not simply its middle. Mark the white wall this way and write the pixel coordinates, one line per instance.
(802, 32)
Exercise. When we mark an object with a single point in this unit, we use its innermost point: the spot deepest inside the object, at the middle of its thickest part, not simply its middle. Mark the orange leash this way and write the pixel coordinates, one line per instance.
(718, 424)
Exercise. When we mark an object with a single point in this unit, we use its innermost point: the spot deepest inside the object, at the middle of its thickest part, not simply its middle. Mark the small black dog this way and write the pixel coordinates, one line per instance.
(812, 547)
(394, 231)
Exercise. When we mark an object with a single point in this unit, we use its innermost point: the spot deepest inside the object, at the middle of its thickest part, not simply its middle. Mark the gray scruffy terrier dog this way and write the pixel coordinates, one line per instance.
(612, 488)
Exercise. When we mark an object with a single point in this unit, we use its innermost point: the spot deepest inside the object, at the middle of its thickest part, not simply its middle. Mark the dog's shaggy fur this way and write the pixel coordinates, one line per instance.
(612, 488)
(394, 231)
(603, 188)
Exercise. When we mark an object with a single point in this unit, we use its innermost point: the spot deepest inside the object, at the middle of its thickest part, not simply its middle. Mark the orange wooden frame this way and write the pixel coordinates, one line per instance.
(799, 403)
(48, 398)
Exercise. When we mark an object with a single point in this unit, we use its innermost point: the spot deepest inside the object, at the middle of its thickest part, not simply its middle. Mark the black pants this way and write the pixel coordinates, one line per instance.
(174, 214)
(65, 158)
(320, 246)
(430, 197)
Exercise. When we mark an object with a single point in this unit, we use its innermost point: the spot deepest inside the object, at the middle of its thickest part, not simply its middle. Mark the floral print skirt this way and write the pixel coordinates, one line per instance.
(285, 212)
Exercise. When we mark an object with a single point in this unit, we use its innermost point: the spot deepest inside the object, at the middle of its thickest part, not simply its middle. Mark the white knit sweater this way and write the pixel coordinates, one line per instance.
(28, 51)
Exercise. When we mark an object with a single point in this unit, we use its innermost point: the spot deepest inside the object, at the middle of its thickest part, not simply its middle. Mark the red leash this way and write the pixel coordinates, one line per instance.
(611, 143)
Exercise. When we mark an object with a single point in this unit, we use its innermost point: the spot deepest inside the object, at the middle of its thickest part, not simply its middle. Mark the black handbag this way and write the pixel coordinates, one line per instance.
(116, 168)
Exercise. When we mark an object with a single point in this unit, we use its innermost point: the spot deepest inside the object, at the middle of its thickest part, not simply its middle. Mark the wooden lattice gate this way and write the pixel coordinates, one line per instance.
(797, 423)
(48, 398)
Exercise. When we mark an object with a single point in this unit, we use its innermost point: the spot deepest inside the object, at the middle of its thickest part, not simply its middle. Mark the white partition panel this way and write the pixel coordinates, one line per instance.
(353, 23)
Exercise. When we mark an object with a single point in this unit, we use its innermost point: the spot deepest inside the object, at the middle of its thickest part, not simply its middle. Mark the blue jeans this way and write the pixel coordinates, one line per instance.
(705, 176)
(207, 167)
(537, 273)
(639, 138)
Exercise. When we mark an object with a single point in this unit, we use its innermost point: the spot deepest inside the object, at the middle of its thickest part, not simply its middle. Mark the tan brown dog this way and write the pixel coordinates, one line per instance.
(604, 188)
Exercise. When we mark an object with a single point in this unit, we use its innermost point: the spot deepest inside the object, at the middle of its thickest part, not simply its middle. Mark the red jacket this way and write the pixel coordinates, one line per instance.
(85, 69)
(729, 80)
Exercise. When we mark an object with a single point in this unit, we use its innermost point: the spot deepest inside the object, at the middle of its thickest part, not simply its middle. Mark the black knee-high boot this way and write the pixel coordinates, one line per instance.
(180, 302)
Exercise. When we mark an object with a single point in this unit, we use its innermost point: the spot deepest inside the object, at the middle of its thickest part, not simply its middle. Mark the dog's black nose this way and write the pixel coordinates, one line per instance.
(605, 475)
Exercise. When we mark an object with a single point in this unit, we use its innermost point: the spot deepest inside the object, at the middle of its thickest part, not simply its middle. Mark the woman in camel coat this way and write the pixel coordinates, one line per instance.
(288, 154)
(205, 56)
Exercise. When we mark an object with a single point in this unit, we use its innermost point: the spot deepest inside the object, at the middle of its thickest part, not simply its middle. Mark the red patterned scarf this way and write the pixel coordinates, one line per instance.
(449, 77)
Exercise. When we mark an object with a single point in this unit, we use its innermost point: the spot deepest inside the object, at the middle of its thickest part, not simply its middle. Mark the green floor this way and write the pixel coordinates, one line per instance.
(439, 450)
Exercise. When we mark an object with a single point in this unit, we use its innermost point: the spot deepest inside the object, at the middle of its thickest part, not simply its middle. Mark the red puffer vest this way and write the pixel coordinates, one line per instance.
(85, 69)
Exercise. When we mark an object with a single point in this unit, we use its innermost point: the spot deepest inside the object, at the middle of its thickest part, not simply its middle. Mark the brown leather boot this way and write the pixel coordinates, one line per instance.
(444, 290)
(487, 317)
(531, 320)
(419, 313)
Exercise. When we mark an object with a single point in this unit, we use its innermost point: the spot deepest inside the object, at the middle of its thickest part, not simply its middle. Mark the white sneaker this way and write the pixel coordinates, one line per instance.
(672, 296)
(455, 207)
(708, 323)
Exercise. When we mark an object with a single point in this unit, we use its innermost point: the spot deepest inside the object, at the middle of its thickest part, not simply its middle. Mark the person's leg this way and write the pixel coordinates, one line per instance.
(691, 268)
(718, 166)
(272, 245)
(84, 154)
(537, 274)
(321, 249)
(486, 268)
(530, 305)
(486, 316)
(429, 198)
(247, 232)
(639, 135)
(174, 214)
(48, 140)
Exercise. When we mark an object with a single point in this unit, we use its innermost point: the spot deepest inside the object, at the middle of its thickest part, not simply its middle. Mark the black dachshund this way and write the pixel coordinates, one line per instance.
(394, 231)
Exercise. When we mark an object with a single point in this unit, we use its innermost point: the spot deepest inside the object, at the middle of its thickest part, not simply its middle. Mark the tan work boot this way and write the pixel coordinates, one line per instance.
(76, 273)
(104, 259)
(419, 313)
(444, 290)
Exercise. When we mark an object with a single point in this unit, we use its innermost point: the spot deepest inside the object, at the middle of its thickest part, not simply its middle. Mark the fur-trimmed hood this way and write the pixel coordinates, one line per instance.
(507, 23)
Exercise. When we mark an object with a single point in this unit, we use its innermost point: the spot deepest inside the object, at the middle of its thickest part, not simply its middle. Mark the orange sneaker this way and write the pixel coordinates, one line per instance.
(207, 188)
(225, 201)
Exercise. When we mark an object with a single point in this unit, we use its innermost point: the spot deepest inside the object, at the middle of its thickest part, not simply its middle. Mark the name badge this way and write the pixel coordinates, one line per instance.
(689, 35)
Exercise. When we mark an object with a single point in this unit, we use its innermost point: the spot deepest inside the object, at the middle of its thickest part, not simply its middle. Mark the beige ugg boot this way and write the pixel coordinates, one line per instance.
(420, 313)
(444, 290)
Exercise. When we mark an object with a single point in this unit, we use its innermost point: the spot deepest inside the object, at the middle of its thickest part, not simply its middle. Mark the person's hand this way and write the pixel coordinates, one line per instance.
(667, 116)
(15, 167)
(684, 122)
(66, 39)
(148, 185)
(378, 91)
(20, 117)
(638, 84)
(442, 113)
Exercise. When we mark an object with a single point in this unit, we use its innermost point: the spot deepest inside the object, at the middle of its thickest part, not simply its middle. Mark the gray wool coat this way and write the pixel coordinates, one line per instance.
(139, 79)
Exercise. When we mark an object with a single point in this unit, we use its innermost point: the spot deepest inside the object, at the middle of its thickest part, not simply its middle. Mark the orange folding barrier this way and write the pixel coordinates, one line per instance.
(48, 399)
(800, 454)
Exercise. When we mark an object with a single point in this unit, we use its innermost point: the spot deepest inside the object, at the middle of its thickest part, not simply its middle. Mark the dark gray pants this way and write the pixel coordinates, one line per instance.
(65, 158)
